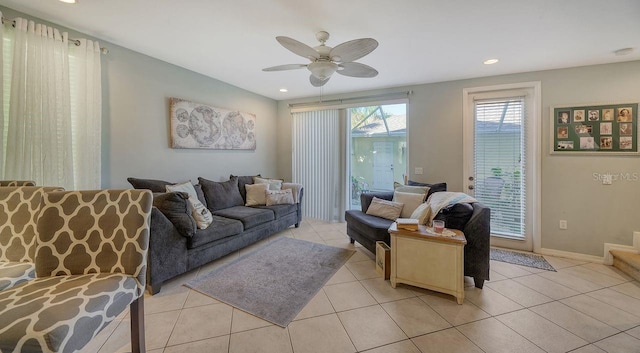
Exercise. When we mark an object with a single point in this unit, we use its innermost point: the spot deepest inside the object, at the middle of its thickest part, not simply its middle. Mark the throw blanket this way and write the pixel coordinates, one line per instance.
(439, 200)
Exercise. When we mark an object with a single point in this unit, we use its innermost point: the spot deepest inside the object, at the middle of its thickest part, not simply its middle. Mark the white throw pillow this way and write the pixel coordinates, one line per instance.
(410, 200)
(411, 189)
(385, 209)
(201, 214)
(279, 197)
(256, 194)
(421, 212)
(274, 184)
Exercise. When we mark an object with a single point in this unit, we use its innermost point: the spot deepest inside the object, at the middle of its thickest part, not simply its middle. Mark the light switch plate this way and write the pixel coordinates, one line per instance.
(418, 171)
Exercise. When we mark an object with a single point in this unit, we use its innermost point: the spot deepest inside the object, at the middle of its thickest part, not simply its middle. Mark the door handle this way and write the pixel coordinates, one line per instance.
(471, 187)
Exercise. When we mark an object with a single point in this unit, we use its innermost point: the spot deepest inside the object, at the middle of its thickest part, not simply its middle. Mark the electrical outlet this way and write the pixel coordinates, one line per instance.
(418, 171)
(563, 224)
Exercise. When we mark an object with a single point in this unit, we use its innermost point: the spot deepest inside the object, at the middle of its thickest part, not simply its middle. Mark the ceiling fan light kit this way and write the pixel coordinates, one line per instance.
(325, 61)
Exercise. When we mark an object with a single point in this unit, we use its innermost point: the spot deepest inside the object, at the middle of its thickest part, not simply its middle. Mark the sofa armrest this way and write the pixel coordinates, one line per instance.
(296, 190)
(367, 197)
(167, 251)
(175, 206)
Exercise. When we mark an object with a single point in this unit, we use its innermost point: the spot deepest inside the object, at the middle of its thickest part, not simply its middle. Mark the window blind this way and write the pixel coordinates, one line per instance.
(499, 154)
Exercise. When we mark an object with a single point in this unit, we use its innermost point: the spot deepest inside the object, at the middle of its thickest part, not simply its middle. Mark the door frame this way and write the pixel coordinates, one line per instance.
(533, 154)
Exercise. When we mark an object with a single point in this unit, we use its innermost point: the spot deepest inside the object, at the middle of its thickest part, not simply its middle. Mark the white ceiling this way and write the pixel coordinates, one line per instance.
(421, 41)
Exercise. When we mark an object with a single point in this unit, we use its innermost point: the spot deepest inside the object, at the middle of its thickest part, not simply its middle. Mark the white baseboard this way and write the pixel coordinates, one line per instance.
(635, 248)
(571, 255)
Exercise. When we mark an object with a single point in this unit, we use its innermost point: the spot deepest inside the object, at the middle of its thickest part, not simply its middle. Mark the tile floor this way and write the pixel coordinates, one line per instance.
(584, 307)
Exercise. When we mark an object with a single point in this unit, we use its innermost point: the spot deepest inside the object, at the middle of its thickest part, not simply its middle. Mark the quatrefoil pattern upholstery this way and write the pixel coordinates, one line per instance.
(19, 208)
(90, 265)
(17, 183)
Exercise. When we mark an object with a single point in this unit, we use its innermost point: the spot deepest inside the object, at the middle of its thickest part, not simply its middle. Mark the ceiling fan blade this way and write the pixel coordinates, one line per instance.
(285, 67)
(316, 82)
(298, 47)
(357, 70)
(353, 50)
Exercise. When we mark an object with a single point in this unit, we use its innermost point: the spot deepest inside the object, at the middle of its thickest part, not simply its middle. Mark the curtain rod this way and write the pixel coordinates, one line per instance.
(347, 100)
(72, 40)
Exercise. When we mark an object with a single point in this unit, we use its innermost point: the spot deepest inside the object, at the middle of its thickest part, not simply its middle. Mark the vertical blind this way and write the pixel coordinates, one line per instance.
(316, 161)
(499, 154)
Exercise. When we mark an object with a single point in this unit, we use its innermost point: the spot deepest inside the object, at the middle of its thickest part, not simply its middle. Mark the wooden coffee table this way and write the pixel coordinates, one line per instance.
(434, 262)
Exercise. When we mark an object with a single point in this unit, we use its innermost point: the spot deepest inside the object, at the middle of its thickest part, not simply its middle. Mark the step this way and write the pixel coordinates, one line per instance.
(627, 262)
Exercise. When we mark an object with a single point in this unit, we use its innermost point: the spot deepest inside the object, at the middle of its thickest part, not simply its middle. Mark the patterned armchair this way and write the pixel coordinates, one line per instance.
(90, 265)
(19, 208)
(17, 183)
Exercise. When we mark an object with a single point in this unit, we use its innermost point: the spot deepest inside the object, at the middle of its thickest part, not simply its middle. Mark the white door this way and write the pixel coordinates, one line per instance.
(502, 160)
(383, 165)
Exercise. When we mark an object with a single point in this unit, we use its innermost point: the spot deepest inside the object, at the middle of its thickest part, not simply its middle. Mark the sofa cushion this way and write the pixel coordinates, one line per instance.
(455, 216)
(437, 187)
(221, 228)
(14, 273)
(176, 207)
(249, 216)
(242, 181)
(220, 195)
(150, 184)
(281, 210)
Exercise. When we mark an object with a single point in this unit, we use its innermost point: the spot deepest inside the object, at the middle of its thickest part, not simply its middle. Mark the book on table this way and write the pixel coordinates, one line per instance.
(407, 223)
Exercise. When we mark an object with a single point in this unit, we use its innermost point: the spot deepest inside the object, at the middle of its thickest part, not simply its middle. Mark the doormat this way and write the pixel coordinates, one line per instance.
(524, 259)
(274, 282)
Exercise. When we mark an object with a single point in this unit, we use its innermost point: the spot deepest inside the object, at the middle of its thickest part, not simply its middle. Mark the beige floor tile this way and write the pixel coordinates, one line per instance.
(507, 269)
(363, 269)
(359, 256)
(447, 307)
(97, 342)
(588, 349)
(531, 269)
(542, 332)
(312, 237)
(398, 347)
(490, 301)
(606, 313)
(546, 286)
(320, 334)
(347, 296)
(366, 252)
(158, 328)
(370, 327)
(561, 262)
(446, 341)
(594, 276)
(493, 336)
(607, 270)
(341, 244)
(172, 296)
(241, 321)
(197, 324)
(617, 299)
(495, 276)
(382, 291)
(620, 343)
(631, 289)
(214, 345)
(317, 306)
(332, 234)
(343, 275)
(574, 321)
(567, 279)
(635, 332)
(198, 299)
(519, 293)
(272, 339)
(415, 317)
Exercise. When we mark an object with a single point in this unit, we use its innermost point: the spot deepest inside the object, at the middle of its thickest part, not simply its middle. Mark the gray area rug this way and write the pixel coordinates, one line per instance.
(529, 260)
(274, 282)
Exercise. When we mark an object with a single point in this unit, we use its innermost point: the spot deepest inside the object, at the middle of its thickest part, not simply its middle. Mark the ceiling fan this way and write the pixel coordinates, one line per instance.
(326, 60)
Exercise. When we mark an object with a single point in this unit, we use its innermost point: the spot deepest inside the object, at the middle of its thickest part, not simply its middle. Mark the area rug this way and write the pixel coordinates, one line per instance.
(518, 258)
(274, 282)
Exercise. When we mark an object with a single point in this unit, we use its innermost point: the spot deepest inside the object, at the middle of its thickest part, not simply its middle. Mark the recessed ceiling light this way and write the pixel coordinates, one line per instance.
(490, 61)
(284, 90)
(69, 1)
(623, 51)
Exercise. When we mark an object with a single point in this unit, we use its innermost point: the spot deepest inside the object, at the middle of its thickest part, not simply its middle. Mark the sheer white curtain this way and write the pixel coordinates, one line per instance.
(46, 119)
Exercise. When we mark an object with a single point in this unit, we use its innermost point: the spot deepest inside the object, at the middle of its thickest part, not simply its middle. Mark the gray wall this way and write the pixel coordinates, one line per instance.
(596, 213)
(135, 137)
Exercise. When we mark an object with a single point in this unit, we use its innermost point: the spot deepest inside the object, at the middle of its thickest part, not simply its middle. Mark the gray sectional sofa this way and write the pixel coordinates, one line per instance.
(176, 245)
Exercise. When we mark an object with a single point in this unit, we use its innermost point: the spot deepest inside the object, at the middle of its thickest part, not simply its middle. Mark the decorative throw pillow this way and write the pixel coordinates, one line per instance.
(220, 195)
(437, 187)
(242, 181)
(279, 197)
(256, 194)
(176, 207)
(385, 209)
(150, 184)
(410, 200)
(200, 213)
(412, 189)
(421, 212)
(274, 184)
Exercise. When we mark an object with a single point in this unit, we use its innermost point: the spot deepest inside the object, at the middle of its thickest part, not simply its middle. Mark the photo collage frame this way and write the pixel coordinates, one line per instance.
(601, 129)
